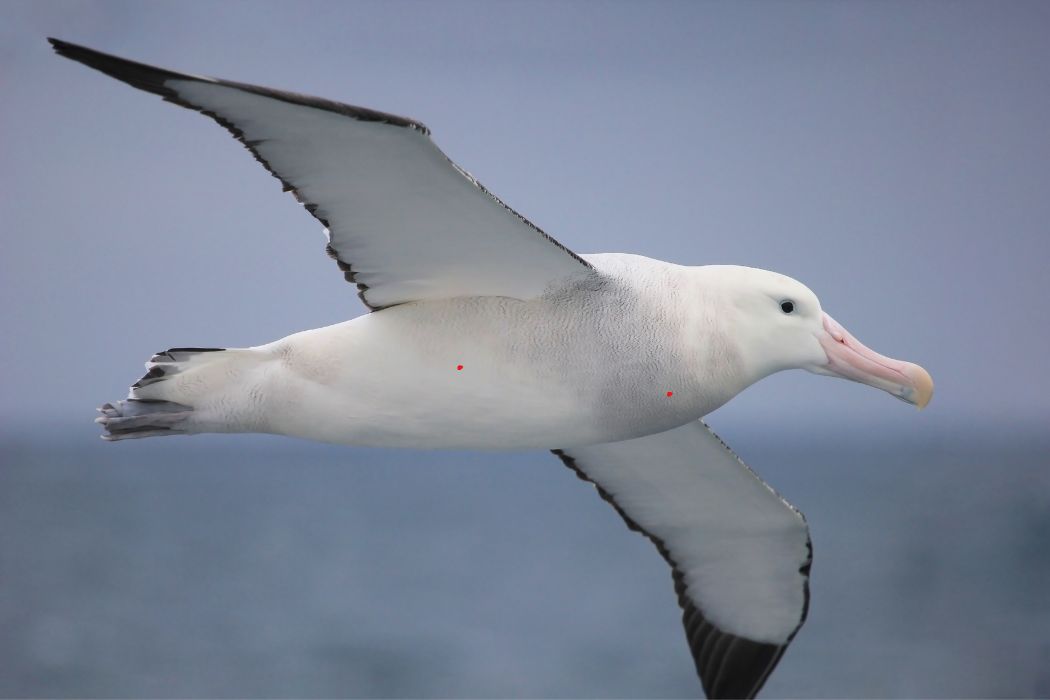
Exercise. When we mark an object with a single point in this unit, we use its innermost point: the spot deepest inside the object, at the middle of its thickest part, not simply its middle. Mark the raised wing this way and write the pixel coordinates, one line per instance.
(404, 222)
(739, 553)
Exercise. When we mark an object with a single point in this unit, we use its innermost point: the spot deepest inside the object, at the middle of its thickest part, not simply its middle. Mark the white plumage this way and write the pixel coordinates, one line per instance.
(487, 333)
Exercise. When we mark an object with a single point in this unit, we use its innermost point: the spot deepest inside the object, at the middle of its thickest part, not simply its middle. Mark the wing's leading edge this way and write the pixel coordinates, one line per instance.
(404, 222)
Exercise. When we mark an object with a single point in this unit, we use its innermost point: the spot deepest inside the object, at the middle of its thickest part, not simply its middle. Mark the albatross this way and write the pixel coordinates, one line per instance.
(484, 332)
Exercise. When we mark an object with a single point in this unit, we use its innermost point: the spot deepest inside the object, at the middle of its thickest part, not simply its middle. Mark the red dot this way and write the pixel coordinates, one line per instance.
(458, 367)
(670, 393)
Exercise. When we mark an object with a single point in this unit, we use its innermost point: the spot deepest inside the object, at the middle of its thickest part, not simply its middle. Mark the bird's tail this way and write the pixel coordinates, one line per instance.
(178, 394)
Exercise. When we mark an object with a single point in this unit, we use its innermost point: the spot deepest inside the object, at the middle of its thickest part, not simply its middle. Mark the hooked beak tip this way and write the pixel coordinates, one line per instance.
(922, 383)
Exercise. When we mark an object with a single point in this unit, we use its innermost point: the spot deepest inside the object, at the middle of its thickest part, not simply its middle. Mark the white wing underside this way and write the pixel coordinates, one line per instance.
(404, 222)
(739, 552)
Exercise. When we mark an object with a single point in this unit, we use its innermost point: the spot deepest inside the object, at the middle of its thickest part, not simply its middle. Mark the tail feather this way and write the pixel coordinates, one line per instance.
(138, 418)
(156, 406)
(181, 354)
(169, 363)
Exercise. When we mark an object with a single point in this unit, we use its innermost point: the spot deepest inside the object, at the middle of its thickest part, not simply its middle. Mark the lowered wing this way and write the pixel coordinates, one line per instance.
(739, 553)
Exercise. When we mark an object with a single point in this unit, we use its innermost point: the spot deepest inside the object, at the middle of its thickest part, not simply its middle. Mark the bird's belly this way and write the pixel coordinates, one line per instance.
(431, 381)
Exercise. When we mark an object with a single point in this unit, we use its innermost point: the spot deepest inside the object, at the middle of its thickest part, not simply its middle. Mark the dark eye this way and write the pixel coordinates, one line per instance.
(787, 306)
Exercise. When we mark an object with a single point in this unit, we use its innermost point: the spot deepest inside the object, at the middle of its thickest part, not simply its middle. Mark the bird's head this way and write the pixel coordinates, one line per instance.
(781, 325)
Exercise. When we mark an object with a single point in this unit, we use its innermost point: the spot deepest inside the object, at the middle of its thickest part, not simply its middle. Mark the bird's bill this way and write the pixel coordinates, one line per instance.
(851, 359)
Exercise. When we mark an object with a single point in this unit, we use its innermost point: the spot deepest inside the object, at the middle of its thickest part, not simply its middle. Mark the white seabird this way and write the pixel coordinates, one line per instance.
(487, 333)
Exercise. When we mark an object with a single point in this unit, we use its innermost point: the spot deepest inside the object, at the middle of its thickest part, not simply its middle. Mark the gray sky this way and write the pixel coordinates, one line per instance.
(893, 156)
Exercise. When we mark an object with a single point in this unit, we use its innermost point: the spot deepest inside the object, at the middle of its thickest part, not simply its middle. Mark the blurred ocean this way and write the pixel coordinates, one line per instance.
(258, 566)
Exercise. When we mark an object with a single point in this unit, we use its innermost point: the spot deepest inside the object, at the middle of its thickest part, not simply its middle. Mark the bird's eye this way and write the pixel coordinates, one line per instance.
(787, 306)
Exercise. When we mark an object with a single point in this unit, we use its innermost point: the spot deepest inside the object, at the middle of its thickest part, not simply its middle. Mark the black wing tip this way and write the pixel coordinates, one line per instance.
(140, 75)
(61, 45)
(735, 667)
(728, 665)
(76, 52)
(152, 79)
(80, 53)
(68, 48)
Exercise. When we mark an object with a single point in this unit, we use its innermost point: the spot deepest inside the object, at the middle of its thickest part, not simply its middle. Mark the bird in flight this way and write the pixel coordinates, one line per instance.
(486, 333)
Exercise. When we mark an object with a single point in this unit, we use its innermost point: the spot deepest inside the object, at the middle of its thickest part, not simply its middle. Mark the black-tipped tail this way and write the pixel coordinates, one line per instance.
(139, 418)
